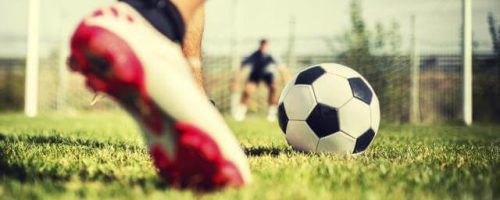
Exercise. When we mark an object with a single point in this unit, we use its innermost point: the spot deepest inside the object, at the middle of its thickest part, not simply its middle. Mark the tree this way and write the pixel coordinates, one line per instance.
(486, 82)
(376, 54)
(495, 38)
(356, 40)
(495, 34)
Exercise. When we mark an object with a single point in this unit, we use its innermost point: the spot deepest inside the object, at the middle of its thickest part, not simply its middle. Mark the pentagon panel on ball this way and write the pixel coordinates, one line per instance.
(329, 108)
(364, 140)
(360, 90)
(282, 117)
(309, 75)
(323, 120)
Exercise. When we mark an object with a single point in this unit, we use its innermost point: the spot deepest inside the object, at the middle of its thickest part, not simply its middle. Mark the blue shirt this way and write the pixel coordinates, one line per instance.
(259, 62)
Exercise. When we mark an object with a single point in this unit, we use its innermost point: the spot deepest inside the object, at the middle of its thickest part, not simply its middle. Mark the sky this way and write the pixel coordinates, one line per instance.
(437, 28)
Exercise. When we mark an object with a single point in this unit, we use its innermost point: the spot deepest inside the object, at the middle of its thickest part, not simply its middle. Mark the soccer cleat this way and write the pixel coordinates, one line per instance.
(97, 97)
(122, 55)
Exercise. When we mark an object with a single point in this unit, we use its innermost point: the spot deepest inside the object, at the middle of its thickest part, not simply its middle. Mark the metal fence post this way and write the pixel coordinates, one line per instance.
(31, 87)
(467, 61)
(415, 76)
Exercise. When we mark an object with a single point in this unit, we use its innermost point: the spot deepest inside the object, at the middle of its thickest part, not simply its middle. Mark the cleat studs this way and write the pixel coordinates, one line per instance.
(99, 65)
(72, 62)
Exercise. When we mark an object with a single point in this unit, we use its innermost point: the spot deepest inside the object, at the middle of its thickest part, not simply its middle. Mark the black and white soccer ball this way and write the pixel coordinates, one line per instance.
(329, 108)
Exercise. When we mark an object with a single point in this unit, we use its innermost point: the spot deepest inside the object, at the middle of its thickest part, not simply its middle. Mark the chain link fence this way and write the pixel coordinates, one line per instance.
(440, 95)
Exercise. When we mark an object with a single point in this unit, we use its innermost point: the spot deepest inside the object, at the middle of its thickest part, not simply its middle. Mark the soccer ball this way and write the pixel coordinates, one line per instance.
(329, 108)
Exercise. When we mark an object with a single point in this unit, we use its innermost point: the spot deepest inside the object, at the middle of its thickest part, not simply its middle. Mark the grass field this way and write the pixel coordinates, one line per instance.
(101, 155)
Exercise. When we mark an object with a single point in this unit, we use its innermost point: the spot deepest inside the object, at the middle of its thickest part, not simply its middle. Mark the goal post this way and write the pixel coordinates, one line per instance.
(467, 61)
(32, 62)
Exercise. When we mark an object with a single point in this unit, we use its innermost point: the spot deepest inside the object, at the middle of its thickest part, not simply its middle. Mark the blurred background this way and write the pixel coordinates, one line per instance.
(410, 51)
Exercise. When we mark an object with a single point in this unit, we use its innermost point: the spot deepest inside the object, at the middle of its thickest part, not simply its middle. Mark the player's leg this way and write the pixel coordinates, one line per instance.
(248, 90)
(131, 52)
(188, 9)
(191, 46)
(272, 98)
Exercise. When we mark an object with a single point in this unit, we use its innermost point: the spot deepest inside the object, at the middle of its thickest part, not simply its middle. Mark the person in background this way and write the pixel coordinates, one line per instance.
(263, 68)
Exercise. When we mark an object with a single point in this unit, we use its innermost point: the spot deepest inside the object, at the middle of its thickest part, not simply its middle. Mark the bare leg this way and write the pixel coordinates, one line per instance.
(193, 14)
(191, 45)
(273, 102)
(273, 98)
(249, 89)
(245, 98)
(188, 8)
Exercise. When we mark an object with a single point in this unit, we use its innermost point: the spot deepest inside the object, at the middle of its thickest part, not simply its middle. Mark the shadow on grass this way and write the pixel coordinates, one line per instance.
(29, 170)
(267, 151)
(64, 140)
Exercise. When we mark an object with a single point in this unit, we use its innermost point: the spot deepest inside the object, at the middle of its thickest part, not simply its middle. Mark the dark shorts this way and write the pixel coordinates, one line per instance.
(258, 77)
(163, 15)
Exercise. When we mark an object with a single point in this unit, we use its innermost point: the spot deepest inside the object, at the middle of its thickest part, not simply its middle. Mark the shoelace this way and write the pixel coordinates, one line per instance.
(97, 97)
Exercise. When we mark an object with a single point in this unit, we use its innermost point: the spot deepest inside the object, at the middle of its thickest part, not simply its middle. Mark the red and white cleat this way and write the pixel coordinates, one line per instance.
(121, 54)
